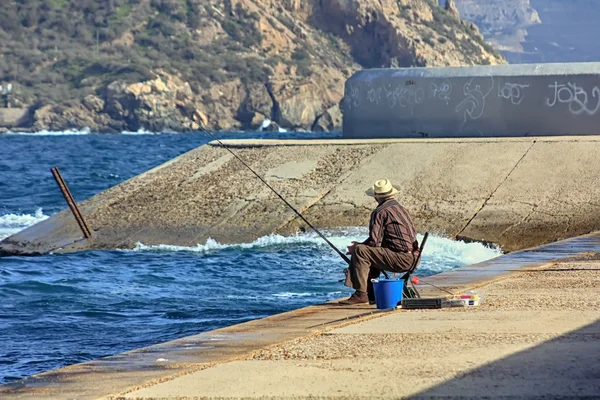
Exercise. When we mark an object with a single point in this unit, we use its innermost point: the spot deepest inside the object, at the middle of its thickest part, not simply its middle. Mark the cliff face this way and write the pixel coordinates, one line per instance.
(537, 31)
(124, 65)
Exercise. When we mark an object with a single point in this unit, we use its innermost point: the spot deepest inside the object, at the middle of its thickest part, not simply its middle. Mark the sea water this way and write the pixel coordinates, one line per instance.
(57, 310)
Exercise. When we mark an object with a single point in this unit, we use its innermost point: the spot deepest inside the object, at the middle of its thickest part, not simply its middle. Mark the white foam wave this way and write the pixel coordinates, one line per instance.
(13, 223)
(211, 244)
(459, 251)
(83, 131)
(438, 250)
(293, 294)
(141, 131)
(68, 132)
(265, 124)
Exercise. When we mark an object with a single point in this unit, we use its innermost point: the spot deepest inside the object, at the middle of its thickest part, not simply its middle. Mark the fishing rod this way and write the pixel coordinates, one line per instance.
(201, 125)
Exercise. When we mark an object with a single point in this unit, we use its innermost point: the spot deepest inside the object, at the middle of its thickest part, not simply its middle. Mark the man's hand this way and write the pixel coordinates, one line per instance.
(352, 247)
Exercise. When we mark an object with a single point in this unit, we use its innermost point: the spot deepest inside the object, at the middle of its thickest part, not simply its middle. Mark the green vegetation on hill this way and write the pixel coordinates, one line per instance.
(60, 49)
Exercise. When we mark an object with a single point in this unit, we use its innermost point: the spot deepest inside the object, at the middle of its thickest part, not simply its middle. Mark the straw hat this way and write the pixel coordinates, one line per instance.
(383, 188)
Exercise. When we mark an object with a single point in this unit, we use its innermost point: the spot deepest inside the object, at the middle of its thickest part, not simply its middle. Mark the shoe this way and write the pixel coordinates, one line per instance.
(356, 298)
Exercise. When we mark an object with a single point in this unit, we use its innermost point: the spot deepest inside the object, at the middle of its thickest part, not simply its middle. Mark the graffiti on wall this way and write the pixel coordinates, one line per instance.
(351, 96)
(576, 97)
(395, 96)
(515, 92)
(439, 98)
(374, 95)
(476, 91)
(441, 91)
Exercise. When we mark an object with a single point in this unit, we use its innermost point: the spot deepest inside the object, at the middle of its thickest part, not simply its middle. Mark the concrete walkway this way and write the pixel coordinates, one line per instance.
(328, 351)
(536, 335)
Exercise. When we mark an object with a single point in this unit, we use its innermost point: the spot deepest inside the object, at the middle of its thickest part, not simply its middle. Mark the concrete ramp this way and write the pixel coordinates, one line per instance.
(517, 192)
(14, 117)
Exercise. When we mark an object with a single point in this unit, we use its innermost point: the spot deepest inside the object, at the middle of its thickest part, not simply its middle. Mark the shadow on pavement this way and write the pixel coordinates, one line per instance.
(567, 366)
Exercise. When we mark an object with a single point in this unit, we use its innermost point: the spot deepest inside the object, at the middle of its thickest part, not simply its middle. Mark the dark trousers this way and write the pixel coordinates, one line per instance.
(367, 263)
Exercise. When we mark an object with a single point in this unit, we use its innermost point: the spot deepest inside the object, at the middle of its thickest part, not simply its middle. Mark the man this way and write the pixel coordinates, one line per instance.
(392, 244)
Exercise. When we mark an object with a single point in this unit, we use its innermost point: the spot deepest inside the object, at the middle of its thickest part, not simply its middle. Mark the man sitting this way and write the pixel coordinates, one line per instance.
(392, 244)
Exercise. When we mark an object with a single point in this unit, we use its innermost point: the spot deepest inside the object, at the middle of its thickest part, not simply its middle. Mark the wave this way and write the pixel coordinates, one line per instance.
(68, 132)
(212, 245)
(83, 131)
(13, 223)
(267, 122)
(437, 247)
(40, 287)
(468, 253)
(142, 131)
(293, 295)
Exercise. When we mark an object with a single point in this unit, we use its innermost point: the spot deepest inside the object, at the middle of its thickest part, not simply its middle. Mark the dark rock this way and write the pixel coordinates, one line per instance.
(330, 120)
(93, 103)
(257, 103)
(115, 109)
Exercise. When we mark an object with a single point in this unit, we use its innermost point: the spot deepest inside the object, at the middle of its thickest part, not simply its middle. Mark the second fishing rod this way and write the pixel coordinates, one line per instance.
(200, 125)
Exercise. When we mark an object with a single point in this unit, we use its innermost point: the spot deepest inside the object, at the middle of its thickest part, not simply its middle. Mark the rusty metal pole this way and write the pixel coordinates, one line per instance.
(62, 185)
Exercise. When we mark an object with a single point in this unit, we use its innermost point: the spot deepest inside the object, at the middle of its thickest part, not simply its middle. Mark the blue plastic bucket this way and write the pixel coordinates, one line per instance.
(388, 292)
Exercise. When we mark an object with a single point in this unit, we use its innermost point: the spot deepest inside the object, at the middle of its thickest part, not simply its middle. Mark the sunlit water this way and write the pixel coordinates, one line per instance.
(57, 310)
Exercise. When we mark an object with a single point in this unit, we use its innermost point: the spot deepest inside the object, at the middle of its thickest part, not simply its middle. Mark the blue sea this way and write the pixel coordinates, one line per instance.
(57, 310)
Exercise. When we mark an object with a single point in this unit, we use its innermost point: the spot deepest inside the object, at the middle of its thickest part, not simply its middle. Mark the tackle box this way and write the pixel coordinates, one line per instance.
(432, 303)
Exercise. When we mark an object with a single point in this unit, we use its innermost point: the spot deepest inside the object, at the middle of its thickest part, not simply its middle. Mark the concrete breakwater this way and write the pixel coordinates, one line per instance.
(516, 192)
(526, 310)
(488, 101)
(14, 117)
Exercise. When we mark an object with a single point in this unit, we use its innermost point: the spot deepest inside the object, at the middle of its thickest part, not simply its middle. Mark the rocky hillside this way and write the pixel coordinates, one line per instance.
(124, 64)
(503, 23)
(535, 31)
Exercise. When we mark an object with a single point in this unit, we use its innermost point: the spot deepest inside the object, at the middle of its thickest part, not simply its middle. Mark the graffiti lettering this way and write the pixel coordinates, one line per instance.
(391, 96)
(401, 95)
(352, 96)
(410, 96)
(576, 97)
(441, 91)
(512, 91)
(374, 95)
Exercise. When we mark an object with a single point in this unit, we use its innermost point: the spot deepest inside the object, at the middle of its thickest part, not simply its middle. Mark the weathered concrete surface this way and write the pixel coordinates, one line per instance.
(130, 370)
(13, 117)
(506, 100)
(515, 192)
(535, 336)
(539, 307)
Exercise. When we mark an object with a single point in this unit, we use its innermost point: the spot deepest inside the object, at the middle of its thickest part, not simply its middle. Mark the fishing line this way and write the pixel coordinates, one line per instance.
(437, 287)
(344, 257)
(200, 124)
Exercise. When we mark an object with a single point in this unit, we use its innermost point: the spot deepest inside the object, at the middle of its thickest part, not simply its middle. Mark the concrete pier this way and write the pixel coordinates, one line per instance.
(536, 333)
(479, 101)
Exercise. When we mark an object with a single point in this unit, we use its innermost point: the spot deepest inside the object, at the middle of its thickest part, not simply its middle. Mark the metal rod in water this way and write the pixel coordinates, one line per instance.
(265, 182)
(62, 185)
